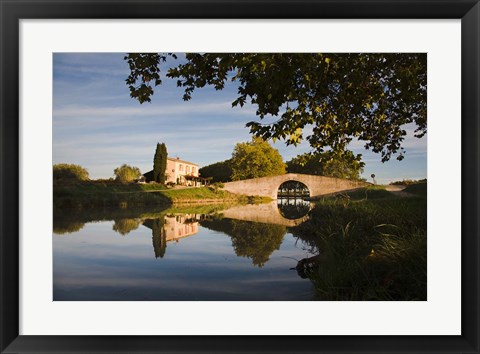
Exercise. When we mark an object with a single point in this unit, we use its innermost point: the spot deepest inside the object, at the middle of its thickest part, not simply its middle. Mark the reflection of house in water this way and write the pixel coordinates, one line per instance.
(178, 226)
(171, 228)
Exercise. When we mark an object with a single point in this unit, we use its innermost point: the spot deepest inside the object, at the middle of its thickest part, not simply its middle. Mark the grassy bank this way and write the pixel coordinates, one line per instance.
(90, 194)
(369, 245)
(111, 194)
(206, 195)
(419, 189)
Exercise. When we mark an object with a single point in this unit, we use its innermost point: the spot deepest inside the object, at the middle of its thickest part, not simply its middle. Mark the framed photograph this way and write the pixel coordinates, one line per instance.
(239, 177)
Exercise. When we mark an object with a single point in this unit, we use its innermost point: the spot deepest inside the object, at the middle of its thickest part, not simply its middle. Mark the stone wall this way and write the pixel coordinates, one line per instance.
(268, 186)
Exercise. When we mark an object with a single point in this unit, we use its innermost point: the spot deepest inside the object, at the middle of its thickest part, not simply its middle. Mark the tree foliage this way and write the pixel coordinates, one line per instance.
(126, 173)
(160, 163)
(342, 96)
(219, 171)
(69, 172)
(144, 71)
(125, 226)
(256, 159)
(345, 165)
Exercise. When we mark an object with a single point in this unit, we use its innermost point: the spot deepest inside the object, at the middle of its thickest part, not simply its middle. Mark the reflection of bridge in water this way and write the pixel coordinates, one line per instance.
(265, 213)
(173, 227)
(177, 226)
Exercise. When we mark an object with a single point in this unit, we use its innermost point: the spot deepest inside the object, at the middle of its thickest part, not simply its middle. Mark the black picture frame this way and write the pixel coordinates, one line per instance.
(12, 11)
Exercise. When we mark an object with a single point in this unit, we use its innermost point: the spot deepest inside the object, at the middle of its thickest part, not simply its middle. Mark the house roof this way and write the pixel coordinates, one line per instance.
(178, 160)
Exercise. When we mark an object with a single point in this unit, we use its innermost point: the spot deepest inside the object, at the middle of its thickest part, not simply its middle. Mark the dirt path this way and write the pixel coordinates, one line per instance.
(394, 188)
(398, 191)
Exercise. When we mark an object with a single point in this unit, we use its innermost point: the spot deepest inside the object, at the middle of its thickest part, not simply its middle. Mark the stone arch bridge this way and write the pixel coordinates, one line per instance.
(268, 186)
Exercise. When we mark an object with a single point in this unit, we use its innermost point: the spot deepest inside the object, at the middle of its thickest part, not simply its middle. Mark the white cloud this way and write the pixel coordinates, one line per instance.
(148, 110)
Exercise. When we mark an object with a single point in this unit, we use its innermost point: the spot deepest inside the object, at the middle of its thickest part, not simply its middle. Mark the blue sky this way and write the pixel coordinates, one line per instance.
(98, 126)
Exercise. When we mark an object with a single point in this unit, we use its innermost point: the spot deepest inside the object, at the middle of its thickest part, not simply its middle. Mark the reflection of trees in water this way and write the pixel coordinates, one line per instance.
(125, 226)
(71, 220)
(62, 226)
(159, 235)
(256, 241)
(293, 208)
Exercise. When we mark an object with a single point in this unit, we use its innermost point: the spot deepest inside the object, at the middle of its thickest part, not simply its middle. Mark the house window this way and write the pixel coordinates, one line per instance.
(180, 167)
(193, 170)
(188, 169)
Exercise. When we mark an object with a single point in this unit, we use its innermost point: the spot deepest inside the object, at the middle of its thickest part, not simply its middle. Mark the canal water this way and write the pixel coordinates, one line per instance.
(193, 253)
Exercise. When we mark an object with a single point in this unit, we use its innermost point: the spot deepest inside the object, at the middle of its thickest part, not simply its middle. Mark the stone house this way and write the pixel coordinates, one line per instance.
(180, 172)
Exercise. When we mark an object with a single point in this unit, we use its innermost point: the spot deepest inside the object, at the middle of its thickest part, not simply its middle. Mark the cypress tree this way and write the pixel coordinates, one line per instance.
(160, 163)
(157, 162)
(163, 163)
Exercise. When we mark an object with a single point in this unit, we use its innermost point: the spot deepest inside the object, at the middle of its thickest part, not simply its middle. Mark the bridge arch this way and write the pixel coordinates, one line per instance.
(282, 193)
(268, 186)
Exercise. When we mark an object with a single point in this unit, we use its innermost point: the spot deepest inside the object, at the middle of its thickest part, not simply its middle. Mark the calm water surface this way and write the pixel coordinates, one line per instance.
(240, 253)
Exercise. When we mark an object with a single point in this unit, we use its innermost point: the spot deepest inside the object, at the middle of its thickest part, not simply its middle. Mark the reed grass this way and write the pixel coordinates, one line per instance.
(372, 243)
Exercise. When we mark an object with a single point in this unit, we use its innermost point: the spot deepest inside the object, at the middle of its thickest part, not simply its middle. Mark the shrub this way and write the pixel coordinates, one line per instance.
(407, 182)
(69, 172)
(126, 173)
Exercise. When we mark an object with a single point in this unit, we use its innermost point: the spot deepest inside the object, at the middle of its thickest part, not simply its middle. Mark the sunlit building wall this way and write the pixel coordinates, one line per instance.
(178, 170)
